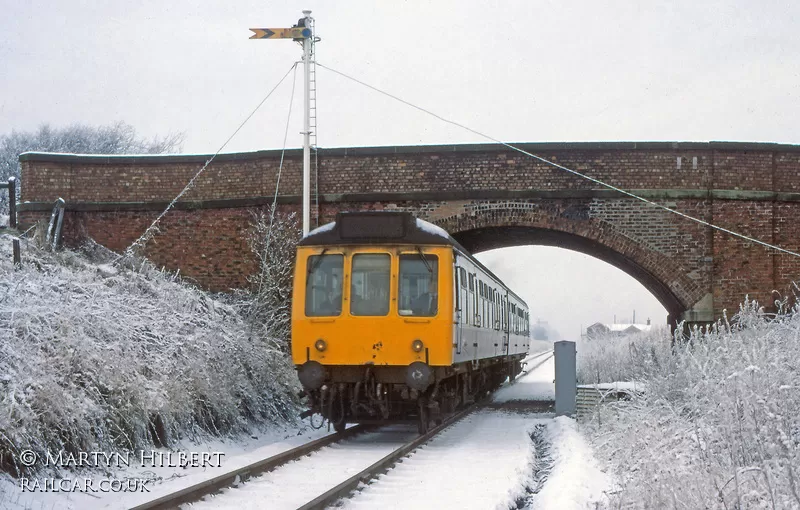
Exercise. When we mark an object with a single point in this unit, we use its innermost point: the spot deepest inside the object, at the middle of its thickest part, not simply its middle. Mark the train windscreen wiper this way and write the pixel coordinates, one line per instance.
(317, 262)
(424, 260)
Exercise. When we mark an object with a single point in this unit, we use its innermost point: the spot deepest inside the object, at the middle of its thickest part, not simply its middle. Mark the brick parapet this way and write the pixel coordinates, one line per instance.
(733, 185)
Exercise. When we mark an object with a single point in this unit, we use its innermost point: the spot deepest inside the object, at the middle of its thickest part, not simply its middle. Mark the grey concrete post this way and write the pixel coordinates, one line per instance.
(566, 378)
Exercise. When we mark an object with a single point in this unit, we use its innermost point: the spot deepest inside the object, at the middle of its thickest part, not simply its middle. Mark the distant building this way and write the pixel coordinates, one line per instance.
(599, 330)
(539, 330)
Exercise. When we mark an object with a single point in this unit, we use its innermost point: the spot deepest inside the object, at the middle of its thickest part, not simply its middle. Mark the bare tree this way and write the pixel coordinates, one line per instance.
(273, 240)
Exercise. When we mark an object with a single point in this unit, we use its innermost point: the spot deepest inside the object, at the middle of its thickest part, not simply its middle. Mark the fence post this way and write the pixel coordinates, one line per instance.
(12, 202)
(566, 378)
(16, 254)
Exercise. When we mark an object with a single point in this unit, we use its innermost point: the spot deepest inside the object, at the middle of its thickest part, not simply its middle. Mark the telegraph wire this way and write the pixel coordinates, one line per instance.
(151, 230)
(280, 167)
(562, 167)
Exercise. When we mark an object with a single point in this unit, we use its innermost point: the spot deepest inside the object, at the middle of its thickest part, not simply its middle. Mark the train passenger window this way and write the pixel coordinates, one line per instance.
(419, 281)
(369, 284)
(472, 308)
(491, 308)
(324, 285)
(463, 303)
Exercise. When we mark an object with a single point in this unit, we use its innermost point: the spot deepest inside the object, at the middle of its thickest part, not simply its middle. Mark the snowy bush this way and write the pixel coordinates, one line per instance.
(719, 426)
(610, 358)
(95, 356)
(273, 239)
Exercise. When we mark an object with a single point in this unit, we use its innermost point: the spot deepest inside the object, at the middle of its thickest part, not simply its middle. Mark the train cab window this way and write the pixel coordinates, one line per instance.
(324, 285)
(369, 284)
(419, 285)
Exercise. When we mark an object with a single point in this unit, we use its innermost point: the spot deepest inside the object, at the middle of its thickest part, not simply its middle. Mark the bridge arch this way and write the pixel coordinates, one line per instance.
(658, 273)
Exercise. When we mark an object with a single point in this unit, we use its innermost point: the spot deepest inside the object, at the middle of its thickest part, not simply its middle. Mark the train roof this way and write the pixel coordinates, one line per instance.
(378, 227)
(385, 227)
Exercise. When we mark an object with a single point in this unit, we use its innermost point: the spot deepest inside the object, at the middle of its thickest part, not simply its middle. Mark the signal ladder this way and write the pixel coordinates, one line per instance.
(312, 106)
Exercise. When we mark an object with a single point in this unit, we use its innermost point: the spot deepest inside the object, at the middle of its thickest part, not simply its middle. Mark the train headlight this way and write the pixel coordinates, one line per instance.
(320, 345)
(417, 345)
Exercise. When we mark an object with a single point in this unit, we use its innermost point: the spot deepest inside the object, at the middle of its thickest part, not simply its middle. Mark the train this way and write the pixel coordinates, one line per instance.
(394, 321)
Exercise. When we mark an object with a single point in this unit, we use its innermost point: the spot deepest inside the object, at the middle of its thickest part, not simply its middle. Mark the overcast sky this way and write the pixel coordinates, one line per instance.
(516, 70)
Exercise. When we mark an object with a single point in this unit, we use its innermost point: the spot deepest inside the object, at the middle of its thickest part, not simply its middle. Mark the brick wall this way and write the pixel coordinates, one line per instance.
(469, 190)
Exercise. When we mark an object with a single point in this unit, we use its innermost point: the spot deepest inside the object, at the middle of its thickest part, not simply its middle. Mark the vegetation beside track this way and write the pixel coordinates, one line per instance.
(719, 423)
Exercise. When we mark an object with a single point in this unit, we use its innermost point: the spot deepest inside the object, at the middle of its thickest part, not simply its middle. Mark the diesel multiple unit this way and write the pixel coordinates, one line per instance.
(392, 319)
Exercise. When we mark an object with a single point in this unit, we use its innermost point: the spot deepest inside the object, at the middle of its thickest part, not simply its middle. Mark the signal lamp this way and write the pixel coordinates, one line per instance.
(416, 345)
(321, 345)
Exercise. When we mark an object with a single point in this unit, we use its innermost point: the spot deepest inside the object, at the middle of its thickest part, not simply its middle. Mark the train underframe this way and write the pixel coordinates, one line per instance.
(390, 394)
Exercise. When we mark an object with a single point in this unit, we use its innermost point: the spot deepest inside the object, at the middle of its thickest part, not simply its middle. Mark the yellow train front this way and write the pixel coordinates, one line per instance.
(393, 320)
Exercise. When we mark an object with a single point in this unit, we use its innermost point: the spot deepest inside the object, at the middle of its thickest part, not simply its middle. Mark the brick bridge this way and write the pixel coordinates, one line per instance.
(485, 195)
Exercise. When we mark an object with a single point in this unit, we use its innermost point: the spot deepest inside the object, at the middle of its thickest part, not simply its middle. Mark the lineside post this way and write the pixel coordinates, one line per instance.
(566, 378)
(301, 33)
(307, 129)
(12, 202)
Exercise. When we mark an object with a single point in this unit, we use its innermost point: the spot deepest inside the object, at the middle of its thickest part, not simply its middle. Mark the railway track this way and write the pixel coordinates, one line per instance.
(342, 490)
(199, 490)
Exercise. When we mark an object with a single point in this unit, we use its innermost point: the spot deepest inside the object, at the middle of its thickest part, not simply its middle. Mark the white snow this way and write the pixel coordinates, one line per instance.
(484, 461)
(238, 453)
(298, 482)
(430, 228)
(575, 481)
(537, 384)
(625, 386)
(322, 228)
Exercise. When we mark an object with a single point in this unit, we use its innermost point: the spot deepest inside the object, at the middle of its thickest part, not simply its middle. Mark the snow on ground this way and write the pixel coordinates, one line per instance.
(487, 460)
(298, 482)
(575, 480)
(237, 453)
(537, 384)
(484, 461)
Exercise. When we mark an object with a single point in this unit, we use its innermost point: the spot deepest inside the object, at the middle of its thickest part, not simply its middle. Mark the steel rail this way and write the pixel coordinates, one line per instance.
(383, 465)
(344, 489)
(195, 492)
(546, 355)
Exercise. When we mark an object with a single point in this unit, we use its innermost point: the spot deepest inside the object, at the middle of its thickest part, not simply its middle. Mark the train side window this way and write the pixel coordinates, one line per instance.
(513, 318)
(480, 321)
(496, 304)
(526, 323)
(473, 302)
(487, 307)
(491, 308)
(464, 296)
(369, 284)
(484, 316)
(419, 280)
(324, 285)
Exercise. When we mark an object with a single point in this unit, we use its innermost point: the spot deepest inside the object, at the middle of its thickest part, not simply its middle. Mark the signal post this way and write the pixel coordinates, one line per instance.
(301, 33)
